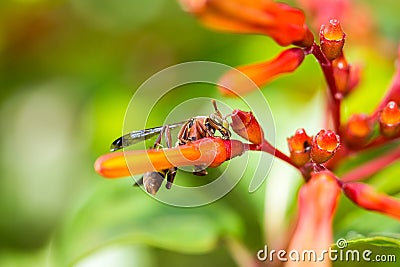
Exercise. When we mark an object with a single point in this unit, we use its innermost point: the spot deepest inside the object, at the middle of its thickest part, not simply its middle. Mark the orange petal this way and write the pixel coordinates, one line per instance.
(365, 196)
(235, 83)
(210, 151)
(283, 23)
(317, 203)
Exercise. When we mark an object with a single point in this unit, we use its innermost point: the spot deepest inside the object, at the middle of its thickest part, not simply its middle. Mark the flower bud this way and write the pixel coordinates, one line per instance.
(324, 146)
(234, 82)
(300, 147)
(358, 130)
(246, 125)
(332, 39)
(341, 73)
(389, 120)
(365, 196)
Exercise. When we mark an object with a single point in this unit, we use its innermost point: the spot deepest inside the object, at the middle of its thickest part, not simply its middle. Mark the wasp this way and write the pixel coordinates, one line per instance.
(191, 130)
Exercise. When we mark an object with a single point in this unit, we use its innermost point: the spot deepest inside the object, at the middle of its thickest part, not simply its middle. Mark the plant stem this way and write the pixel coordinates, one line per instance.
(371, 167)
(378, 141)
(266, 147)
(334, 96)
(392, 94)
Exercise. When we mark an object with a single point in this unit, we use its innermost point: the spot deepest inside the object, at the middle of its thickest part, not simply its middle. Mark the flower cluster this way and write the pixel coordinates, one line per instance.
(315, 157)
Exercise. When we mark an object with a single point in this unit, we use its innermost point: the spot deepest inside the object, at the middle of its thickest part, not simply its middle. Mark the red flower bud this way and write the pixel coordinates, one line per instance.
(324, 146)
(332, 39)
(245, 124)
(341, 73)
(365, 196)
(389, 120)
(235, 83)
(358, 130)
(300, 147)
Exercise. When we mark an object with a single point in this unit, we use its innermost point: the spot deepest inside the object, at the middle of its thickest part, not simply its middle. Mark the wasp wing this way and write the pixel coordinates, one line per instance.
(141, 135)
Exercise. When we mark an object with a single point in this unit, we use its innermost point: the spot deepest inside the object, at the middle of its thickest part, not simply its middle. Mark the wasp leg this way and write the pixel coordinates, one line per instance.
(183, 135)
(203, 131)
(171, 172)
(170, 177)
(206, 132)
(157, 143)
(153, 180)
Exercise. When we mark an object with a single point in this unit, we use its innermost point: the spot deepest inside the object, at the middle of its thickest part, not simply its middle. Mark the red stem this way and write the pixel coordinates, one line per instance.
(371, 167)
(393, 93)
(266, 147)
(378, 141)
(334, 97)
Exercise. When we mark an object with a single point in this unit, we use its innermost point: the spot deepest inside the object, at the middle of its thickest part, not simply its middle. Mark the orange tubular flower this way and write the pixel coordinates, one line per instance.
(285, 24)
(211, 151)
(365, 196)
(232, 82)
(317, 204)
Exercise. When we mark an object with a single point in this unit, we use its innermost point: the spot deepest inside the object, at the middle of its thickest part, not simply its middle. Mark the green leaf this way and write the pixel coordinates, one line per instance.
(384, 251)
(117, 214)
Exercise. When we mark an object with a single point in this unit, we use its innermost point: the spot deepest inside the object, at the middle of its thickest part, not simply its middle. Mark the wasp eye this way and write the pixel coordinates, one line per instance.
(216, 119)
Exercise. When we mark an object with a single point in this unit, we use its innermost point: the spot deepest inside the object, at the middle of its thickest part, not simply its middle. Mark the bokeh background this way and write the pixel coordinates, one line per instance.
(68, 69)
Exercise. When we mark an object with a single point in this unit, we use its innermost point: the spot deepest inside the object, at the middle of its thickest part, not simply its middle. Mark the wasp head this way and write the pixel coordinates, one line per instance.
(220, 121)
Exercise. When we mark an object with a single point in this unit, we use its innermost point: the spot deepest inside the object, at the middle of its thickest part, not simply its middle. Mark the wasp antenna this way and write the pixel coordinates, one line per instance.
(227, 116)
(215, 107)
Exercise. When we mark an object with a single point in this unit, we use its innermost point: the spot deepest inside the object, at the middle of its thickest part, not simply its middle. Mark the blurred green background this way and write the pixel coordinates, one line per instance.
(67, 72)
